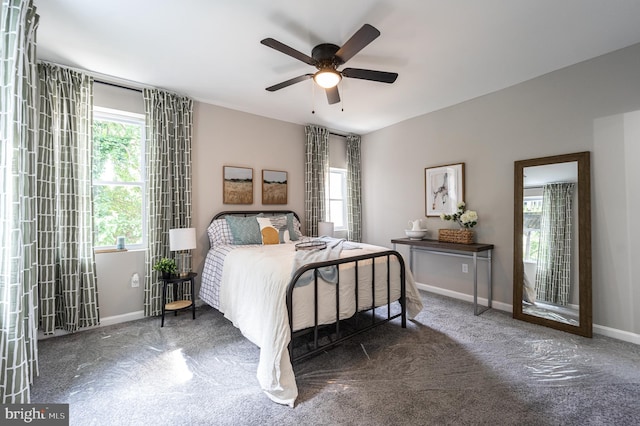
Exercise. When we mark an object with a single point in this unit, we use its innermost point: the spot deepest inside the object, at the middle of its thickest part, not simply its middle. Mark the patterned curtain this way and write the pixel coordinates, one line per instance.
(354, 200)
(553, 272)
(168, 151)
(67, 270)
(18, 249)
(316, 173)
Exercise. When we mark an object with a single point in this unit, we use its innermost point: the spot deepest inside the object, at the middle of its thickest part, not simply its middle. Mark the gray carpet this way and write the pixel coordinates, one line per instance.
(447, 367)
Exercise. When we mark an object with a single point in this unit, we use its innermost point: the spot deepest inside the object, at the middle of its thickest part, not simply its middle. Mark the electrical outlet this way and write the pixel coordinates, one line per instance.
(465, 268)
(135, 280)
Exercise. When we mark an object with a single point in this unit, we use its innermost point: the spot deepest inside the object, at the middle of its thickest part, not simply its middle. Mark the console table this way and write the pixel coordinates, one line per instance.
(457, 250)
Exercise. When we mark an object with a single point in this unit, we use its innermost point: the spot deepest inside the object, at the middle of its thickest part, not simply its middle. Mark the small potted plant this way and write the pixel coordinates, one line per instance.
(467, 219)
(166, 266)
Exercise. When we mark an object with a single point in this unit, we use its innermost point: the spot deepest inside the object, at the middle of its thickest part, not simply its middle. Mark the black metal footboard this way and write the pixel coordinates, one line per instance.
(337, 332)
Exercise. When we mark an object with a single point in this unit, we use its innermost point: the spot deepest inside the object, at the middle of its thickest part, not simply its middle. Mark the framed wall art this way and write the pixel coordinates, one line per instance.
(444, 188)
(237, 186)
(274, 187)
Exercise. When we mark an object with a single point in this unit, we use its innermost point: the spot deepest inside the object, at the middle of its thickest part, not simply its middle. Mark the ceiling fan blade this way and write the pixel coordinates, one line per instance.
(289, 82)
(333, 96)
(357, 42)
(380, 76)
(280, 47)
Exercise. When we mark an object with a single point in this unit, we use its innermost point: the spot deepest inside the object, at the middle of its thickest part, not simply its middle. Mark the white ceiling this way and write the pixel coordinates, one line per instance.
(445, 51)
(537, 176)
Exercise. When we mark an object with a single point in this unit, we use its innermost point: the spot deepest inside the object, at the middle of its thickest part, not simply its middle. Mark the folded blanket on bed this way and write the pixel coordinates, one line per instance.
(346, 245)
(332, 251)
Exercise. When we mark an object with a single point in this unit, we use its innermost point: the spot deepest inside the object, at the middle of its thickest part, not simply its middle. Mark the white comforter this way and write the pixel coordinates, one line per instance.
(253, 297)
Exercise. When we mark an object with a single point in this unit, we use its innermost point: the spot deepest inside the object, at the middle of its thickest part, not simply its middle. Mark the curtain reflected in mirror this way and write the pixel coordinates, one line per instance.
(550, 205)
(547, 239)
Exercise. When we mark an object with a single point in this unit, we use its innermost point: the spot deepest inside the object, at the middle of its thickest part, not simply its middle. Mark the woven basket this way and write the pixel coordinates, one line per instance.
(461, 236)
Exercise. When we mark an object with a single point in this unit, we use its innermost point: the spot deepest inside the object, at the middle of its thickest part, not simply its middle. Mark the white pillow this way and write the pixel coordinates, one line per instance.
(269, 234)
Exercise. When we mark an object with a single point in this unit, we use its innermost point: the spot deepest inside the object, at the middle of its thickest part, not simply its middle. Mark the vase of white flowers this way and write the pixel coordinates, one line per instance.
(467, 219)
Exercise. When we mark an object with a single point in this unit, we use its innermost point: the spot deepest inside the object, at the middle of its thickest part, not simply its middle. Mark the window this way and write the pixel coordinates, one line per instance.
(118, 178)
(337, 212)
(532, 210)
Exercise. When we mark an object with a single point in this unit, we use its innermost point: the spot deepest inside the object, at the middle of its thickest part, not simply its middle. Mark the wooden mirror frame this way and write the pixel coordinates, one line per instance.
(584, 242)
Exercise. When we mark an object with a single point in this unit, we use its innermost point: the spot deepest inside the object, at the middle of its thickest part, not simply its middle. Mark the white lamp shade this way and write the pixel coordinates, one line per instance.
(325, 228)
(182, 239)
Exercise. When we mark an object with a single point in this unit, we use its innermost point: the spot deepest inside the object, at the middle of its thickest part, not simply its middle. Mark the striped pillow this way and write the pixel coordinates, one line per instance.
(290, 222)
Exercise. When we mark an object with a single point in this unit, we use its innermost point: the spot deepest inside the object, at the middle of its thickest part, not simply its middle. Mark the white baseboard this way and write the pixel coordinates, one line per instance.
(617, 334)
(625, 336)
(463, 296)
(117, 319)
(114, 319)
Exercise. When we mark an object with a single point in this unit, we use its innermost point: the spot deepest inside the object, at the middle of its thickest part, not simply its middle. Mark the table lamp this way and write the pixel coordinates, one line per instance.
(182, 240)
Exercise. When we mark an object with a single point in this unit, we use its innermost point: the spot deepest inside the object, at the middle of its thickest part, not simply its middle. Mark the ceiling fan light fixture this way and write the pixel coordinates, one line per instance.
(327, 78)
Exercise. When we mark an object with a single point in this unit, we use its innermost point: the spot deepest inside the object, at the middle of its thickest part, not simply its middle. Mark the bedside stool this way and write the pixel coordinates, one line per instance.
(178, 305)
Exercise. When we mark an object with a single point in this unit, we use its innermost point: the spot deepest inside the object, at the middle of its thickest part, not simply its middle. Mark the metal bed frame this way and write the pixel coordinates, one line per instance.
(338, 332)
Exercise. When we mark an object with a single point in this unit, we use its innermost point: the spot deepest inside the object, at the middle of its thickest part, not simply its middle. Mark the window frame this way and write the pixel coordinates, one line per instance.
(526, 249)
(343, 173)
(127, 117)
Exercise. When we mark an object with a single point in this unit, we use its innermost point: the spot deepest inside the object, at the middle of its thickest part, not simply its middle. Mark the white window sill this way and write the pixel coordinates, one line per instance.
(115, 250)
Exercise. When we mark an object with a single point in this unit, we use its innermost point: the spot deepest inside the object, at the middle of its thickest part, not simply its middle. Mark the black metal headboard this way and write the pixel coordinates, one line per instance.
(254, 212)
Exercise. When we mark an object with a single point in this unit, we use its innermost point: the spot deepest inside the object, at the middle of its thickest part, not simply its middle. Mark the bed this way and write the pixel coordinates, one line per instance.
(278, 286)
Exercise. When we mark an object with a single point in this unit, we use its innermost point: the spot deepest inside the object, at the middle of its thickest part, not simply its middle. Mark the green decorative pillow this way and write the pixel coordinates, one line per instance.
(245, 230)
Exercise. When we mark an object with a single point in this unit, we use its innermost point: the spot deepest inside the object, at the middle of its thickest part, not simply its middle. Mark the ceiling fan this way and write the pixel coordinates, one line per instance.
(327, 57)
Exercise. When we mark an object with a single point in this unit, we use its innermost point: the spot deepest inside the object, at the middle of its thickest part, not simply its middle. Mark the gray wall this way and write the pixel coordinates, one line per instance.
(586, 107)
(223, 137)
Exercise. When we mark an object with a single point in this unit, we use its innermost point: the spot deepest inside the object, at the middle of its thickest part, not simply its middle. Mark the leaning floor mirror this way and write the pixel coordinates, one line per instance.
(552, 242)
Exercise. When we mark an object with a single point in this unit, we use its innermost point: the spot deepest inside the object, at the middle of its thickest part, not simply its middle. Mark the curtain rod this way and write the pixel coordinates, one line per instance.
(105, 78)
(118, 85)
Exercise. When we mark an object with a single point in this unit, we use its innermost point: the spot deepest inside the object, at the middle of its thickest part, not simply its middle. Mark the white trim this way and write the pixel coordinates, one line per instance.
(463, 296)
(617, 334)
(625, 336)
(133, 119)
(120, 115)
(345, 214)
(115, 319)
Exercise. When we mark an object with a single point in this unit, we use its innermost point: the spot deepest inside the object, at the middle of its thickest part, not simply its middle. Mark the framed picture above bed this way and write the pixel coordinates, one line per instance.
(274, 187)
(444, 188)
(237, 185)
